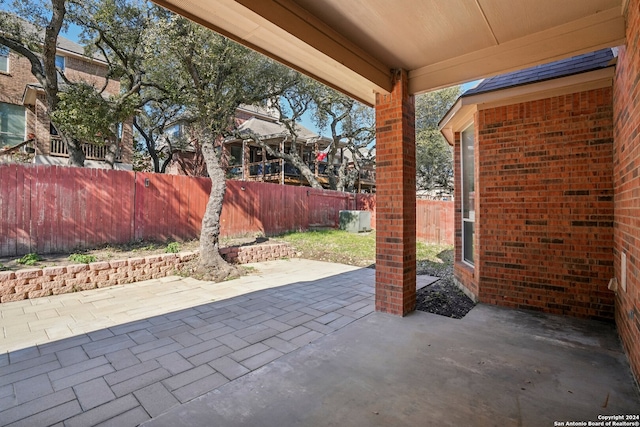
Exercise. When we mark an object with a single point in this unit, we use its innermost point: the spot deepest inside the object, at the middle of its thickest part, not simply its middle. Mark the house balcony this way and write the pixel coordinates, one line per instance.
(97, 152)
(280, 172)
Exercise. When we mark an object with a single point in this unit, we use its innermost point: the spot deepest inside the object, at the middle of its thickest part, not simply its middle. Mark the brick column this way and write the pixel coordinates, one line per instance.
(396, 200)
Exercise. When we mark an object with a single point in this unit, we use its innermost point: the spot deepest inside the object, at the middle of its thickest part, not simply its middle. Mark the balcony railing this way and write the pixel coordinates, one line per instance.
(271, 170)
(91, 151)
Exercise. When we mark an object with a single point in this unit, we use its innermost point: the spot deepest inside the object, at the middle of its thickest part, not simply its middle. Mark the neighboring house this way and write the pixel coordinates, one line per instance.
(247, 161)
(534, 187)
(23, 108)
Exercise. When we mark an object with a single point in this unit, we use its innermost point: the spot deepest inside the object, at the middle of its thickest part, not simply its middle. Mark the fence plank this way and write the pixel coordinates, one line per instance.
(24, 232)
(8, 205)
(435, 221)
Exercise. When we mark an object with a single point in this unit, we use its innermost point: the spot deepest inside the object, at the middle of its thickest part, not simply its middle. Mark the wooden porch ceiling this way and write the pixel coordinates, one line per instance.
(353, 45)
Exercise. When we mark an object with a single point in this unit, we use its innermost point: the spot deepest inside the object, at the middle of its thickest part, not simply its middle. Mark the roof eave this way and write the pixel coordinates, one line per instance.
(462, 111)
(30, 94)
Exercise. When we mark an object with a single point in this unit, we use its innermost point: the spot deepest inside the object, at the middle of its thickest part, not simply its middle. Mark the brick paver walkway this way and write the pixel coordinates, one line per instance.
(119, 356)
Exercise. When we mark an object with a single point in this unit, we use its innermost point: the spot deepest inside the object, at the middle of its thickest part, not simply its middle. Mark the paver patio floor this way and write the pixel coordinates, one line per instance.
(120, 356)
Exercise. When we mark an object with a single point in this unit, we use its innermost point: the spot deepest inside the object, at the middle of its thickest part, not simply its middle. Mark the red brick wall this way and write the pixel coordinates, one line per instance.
(12, 83)
(626, 164)
(396, 200)
(92, 72)
(40, 125)
(12, 87)
(545, 200)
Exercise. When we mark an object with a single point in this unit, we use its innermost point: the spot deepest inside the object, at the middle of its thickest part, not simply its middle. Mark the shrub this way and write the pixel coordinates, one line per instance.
(82, 258)
(172, 248)
(29, 259)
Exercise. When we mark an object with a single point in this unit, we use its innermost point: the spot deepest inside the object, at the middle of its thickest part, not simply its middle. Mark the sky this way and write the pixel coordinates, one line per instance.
(72, 32)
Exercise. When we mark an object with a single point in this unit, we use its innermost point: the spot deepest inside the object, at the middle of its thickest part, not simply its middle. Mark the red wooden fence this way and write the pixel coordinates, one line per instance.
(49, 209)
(255, 207)
(435, 221)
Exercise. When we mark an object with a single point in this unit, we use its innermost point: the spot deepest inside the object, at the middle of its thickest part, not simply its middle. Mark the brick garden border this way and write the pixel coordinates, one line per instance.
(257, 253)
(41, 282)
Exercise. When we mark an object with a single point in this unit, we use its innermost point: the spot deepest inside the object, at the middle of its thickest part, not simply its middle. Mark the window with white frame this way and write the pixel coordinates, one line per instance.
(12, 124)
(4, 59)
(468, 193)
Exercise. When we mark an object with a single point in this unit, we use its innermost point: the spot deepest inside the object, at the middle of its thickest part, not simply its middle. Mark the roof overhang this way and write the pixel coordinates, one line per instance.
(279, 137)
(353, 45)
(30, 94)
(65, 52)
(462, 112)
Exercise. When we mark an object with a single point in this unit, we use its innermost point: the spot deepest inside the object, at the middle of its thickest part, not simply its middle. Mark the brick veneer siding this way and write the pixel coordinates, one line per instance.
(41, 282)
(396, 200)
(14, 82)
(626, 177)
(544, 198)
(19, 76)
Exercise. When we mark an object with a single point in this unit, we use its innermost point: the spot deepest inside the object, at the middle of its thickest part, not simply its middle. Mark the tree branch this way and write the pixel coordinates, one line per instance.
(36, 66)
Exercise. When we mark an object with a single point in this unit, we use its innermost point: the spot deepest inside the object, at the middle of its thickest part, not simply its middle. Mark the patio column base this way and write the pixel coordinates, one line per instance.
(396, 199)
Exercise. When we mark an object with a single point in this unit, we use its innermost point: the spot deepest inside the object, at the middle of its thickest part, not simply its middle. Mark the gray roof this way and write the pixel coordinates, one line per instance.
(260, 111)
(272, 129)
(73, 47)
(64, 44)
(553, 70)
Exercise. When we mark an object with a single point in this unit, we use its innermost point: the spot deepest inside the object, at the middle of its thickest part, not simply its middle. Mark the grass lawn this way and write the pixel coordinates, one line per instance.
(360, 250)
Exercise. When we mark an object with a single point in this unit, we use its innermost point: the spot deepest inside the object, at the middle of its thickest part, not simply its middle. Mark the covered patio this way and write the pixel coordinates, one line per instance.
(383, 53)
(297, 343)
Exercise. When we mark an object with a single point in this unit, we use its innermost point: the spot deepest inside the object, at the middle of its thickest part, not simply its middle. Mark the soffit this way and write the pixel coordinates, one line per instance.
(353, 45)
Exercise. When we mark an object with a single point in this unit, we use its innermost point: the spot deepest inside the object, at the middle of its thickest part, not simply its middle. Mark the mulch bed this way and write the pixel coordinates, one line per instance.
(445, 299)
(442, 297)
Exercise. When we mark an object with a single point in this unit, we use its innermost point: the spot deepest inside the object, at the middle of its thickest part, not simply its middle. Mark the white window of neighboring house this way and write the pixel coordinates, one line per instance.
(12, 124)
(468, 194)
(4, 59)
(60, 62)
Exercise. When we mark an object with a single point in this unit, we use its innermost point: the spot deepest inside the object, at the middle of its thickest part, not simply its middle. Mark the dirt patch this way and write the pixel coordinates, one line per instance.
(442, 297)
(116, 252)
(102, 253)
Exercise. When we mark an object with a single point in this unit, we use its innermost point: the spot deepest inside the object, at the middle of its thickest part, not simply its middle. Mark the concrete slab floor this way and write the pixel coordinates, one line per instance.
(495, 367)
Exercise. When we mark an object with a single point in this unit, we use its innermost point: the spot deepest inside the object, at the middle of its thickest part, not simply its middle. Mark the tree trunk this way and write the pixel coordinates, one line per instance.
(211, 262)
(111, 155)
(331, 175)
(351, 178)
(342, 176)
(74, 149)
